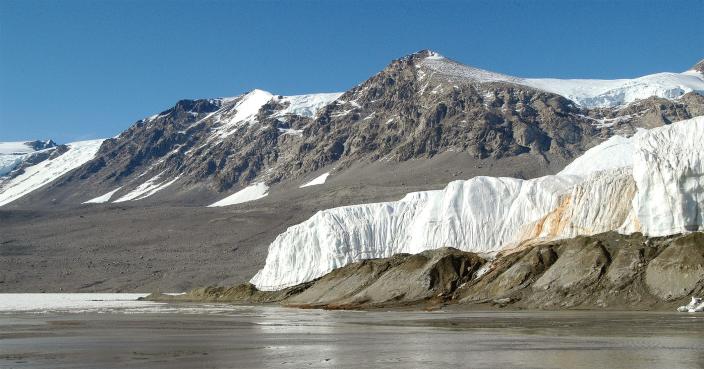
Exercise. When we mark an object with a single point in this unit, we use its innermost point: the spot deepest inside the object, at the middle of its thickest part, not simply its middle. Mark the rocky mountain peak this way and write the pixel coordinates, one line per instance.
(194, 106)
(42, 144)
(699, 67)
(423, 54)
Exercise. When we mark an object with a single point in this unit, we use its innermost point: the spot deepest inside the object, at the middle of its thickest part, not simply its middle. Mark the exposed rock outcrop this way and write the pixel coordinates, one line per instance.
(604, 271)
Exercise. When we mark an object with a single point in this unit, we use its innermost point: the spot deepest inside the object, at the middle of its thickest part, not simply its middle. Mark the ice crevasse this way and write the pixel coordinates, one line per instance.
(652, 182)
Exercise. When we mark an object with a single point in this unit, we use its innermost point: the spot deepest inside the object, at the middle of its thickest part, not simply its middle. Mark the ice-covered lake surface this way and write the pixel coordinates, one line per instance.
(115, 331)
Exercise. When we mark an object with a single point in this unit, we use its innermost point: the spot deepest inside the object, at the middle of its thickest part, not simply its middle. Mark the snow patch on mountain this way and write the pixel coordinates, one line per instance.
(245, 112)
(249, 193)
(291, 132)
(247, 107)
(305, 105)
(317, 180)
(102, 198)
(45, 172)
(652, 182)
(148, 188)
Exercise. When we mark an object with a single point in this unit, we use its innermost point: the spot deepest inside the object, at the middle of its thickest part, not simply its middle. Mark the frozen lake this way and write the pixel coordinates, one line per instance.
(115, 331)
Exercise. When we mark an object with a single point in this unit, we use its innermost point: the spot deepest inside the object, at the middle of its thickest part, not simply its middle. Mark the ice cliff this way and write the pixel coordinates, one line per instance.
(652, 182)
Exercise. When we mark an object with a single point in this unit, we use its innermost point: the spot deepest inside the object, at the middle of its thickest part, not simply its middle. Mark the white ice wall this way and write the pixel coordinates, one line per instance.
(652, 182)
(668, 170)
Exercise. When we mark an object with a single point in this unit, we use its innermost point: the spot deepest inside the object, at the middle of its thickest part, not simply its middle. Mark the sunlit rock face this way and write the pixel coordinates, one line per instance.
(652, 182)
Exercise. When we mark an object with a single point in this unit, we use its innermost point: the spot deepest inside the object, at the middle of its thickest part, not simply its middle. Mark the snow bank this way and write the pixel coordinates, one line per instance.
(652, 182)
(249, 193)
(317, 180)
(147, 188)
(48, 170)
(102, 198)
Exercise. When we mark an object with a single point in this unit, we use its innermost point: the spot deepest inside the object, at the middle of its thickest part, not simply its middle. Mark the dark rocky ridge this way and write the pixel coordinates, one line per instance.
(605, 271)
(699, 67)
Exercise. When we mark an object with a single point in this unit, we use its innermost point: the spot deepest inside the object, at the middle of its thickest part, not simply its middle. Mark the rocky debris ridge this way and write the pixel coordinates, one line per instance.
(650, 183)
(604, 271)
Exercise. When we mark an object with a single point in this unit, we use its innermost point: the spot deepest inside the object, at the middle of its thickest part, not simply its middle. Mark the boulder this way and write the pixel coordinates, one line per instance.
(679, 269)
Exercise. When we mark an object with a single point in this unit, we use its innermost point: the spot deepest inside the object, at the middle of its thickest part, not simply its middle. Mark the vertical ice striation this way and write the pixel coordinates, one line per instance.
(668, 170)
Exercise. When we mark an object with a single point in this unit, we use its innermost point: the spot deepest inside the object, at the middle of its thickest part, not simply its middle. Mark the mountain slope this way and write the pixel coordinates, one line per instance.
(419, 107)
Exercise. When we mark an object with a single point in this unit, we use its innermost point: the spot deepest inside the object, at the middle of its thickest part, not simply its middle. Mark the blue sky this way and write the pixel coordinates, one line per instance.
(72, 70)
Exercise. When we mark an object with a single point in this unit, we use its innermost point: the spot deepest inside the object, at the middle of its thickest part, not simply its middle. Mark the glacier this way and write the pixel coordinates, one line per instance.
(652, 182)
(13, 154)
(47, 171)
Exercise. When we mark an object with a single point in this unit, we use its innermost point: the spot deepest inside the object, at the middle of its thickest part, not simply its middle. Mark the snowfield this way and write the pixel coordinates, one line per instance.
(317, 180)
(249, 193)
(248, 105)
(306, 105)
(588, 93)
(652, 182)
(48, 170)
(593, 93)
(146, 189)
(102, 198)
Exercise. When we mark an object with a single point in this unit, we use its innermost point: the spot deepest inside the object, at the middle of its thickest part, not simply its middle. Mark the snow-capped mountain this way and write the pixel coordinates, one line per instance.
(421, 107)
(650, 183)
